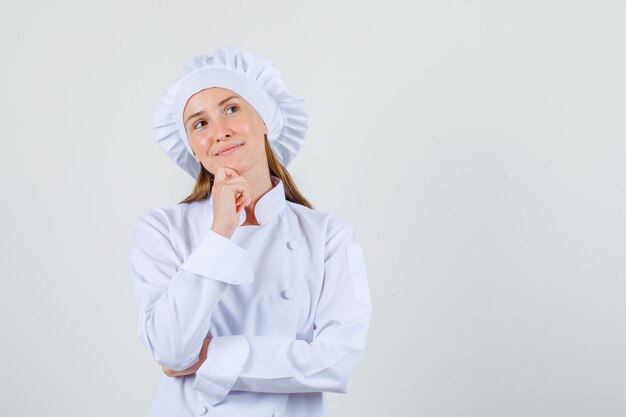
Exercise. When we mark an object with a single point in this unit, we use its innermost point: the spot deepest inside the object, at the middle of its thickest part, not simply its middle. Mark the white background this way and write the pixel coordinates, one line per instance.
(479, 149)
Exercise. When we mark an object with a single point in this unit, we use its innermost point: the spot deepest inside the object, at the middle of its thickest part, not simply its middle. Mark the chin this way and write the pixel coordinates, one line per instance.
(237, 165)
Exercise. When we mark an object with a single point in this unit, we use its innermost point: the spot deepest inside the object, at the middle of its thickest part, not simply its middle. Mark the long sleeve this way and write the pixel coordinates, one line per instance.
(283, 365)
(175, 297)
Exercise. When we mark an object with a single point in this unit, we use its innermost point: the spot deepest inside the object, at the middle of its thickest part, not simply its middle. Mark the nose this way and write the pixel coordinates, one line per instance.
(221, 131)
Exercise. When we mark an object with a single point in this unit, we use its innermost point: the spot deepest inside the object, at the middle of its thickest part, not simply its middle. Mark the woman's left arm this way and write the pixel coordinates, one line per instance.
(284, 365)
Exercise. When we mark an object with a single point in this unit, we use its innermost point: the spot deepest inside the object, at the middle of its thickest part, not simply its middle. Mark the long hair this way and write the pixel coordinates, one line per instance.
(204, 182)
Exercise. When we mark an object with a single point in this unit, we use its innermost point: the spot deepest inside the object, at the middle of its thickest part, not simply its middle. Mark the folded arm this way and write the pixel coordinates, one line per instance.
(175, 297)
(283, 365)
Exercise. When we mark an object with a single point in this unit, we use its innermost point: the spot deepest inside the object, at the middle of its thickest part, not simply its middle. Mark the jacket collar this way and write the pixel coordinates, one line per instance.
(270, 205)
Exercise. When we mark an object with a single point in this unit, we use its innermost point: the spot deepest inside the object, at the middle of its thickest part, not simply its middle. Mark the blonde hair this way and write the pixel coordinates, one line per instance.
(204, 182)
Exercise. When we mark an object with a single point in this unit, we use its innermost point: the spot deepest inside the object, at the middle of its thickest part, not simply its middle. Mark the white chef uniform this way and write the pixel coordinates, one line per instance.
(287, 305)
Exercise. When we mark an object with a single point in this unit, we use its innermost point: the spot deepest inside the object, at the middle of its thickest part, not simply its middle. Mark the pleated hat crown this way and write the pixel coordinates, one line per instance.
(253, 78)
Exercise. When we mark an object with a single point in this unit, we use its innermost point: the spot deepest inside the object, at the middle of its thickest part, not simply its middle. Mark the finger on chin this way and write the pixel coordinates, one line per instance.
(224, 172)
(220, 174)
(230, 172)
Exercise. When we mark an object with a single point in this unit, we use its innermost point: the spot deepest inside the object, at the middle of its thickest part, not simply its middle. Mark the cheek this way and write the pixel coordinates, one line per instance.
(199, 143)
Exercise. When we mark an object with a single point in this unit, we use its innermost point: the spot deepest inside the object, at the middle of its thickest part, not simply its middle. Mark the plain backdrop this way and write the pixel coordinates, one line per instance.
(478, 148)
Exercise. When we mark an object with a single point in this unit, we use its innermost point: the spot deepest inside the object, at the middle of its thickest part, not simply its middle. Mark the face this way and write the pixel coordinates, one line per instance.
(225, 130)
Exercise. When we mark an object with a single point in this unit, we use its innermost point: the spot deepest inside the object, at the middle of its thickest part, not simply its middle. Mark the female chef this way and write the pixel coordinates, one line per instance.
(252, 302)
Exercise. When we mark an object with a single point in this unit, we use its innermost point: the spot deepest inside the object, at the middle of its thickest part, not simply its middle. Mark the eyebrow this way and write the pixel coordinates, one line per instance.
(202, 111)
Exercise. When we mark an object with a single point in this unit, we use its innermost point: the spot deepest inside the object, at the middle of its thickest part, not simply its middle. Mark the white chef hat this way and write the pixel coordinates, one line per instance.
(253, 78)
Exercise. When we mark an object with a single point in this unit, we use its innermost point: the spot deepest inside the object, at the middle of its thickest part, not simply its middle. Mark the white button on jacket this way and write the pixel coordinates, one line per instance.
(287, 305)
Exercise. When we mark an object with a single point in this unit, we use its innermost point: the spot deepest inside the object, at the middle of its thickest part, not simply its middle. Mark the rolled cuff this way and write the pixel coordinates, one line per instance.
(220, 258)
(226, 357)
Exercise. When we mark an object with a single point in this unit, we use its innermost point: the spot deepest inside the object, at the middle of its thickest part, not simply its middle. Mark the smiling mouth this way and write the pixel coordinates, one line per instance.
(229, 150)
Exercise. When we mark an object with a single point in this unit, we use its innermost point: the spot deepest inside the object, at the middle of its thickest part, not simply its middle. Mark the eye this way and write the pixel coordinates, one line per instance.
(232, 107)
(197, 125)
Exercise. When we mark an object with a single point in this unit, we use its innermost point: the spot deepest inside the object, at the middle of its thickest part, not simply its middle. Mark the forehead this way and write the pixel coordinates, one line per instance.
(209, 97)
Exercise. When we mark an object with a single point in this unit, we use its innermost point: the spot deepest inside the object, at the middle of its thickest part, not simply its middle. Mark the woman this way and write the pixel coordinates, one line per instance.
(252, 302)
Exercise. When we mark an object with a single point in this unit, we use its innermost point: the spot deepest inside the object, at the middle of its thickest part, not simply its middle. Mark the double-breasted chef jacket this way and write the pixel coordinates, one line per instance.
(287, 305)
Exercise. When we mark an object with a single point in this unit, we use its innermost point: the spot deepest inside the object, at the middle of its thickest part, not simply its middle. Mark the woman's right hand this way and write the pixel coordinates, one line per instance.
(231, 193)
(193, 368)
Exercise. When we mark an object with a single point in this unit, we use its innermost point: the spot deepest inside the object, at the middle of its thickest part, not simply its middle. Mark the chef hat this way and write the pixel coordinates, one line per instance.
(253, 78)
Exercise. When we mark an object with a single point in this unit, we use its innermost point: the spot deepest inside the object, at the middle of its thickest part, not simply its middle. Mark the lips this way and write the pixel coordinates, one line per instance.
(226, 150)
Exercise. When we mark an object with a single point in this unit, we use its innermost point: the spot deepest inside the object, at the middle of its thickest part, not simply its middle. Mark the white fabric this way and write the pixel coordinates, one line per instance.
(287, 304)
(253, 78)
